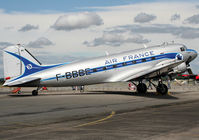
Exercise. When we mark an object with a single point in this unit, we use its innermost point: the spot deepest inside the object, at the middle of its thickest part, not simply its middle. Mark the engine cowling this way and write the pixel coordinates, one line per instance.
(180, 68)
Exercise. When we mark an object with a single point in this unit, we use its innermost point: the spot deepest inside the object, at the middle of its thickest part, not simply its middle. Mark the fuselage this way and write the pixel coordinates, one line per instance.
(112, 68)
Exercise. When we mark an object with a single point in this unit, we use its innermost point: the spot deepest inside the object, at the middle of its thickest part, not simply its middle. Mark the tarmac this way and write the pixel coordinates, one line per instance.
(101, 112)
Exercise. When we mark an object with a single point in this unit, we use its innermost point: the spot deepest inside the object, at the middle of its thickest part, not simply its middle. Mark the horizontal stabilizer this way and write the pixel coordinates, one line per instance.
(29, 80)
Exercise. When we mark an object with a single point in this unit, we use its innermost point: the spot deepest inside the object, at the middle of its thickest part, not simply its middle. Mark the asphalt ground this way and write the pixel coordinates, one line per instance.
(106, 115)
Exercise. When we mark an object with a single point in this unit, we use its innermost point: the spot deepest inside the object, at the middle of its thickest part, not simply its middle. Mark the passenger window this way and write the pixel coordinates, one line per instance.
(143, 60)
(94, 70)
(124, 64)
(134, 62)
(114, 66)
(104, 68)
(182, 49)
(152, 58)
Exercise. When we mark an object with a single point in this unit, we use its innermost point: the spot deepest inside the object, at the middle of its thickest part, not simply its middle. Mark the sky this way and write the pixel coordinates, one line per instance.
(65, 30)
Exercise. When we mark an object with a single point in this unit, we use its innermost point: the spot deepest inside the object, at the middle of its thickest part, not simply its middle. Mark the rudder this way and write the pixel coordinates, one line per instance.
(16, 60)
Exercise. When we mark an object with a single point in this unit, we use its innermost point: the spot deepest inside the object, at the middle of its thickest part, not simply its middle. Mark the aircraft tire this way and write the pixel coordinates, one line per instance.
(34, 93)
(162, 89)
(141, 88)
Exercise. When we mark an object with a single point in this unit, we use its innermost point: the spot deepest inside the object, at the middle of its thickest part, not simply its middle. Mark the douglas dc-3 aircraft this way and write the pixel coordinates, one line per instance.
(22, 69)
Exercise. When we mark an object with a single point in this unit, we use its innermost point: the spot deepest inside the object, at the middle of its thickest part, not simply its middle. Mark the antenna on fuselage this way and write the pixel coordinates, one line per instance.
(145, 46)
(107, 54)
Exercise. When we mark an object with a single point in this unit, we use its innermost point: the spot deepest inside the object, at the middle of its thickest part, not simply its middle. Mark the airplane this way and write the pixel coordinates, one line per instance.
(22, 69)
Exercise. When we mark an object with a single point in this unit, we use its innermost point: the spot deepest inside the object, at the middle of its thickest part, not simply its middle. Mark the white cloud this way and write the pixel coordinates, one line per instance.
(28, 27)
(179, 31)
(53, 59)
(116, 39)
(77, 21)
(40, 43)
(143, 18)
(175, 17)
(193, 19)
(5, 44)
(9, 27)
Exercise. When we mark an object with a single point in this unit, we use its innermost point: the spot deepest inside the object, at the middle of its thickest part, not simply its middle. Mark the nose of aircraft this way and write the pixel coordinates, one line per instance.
(193, 54)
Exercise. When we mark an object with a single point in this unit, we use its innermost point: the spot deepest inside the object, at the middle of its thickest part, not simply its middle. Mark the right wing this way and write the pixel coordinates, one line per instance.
(148, 71)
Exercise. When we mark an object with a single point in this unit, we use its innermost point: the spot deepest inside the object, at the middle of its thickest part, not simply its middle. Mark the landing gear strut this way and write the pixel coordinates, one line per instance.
(141, 88)
(35, 92)
(160, 88)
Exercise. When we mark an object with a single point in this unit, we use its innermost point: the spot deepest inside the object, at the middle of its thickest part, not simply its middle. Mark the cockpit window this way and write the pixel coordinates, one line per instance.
(182, 49)
(185, 47)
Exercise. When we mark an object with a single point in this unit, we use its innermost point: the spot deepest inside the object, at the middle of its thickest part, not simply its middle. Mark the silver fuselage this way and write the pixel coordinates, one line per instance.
(112, 68)
(22, 69)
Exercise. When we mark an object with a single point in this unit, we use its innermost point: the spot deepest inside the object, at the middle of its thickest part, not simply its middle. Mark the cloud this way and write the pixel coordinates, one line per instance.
(28, 27)
(5, 44)
(114, 39)
(54, 59)
(143, 18)
(197, 6)
(40, 43)
(181, 31)
(77, 21)
(175, 17)
(192, 20)
(9, 27)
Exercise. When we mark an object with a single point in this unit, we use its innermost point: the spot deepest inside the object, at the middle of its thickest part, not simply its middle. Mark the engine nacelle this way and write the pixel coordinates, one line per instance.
(180, 68)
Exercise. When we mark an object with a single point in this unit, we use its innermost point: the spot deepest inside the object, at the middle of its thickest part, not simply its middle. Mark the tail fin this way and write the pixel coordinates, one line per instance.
(17, 60)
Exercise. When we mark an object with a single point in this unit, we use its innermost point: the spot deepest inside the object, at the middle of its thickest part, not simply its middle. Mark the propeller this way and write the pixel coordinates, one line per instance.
(189, 71)
(188, 65)
(188, 60)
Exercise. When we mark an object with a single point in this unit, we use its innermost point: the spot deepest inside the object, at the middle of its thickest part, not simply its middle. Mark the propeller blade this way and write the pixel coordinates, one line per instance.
(189, 60)
(190, 71)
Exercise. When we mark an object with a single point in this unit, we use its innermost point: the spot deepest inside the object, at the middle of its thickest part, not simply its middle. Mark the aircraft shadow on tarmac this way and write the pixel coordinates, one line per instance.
(148, 94)
(20, 95)
(126, 93)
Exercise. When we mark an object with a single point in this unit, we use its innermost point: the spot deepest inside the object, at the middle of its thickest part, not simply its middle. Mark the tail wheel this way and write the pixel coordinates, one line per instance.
(141, 88)
(162, 89)
(34, 93)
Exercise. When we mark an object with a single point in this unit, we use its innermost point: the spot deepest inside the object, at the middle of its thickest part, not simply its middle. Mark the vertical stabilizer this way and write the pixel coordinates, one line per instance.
(16, 60)
(12, 65)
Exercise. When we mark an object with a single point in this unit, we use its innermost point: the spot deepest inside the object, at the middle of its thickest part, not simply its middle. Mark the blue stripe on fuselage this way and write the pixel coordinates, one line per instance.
(191, 50)
(121, 64)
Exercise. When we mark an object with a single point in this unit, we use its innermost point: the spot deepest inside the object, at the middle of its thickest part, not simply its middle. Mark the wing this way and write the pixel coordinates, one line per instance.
(150, 71)
(29, 81)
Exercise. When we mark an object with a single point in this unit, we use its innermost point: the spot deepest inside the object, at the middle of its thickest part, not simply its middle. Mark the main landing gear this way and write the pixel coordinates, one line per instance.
(160, 88)
(35, 92)
(141, 88)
